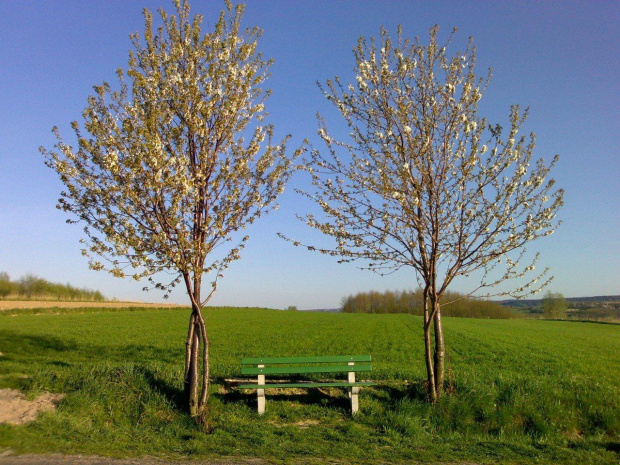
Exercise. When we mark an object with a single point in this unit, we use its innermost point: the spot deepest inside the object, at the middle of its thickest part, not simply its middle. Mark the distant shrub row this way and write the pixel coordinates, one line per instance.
(412, 302)
(32, 287)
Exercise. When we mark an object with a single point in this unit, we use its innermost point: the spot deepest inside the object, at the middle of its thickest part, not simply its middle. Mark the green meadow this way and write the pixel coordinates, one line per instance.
(520, 391)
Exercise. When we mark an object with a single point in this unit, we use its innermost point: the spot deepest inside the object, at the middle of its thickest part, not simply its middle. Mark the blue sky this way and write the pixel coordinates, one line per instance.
(559, 58)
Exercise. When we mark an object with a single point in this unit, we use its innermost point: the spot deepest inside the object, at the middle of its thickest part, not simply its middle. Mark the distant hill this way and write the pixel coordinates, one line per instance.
(327, 310)
(597, 308)
(538, 302)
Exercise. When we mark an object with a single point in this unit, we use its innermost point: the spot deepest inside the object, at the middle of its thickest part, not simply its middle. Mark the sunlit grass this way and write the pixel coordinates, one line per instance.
(520, 390)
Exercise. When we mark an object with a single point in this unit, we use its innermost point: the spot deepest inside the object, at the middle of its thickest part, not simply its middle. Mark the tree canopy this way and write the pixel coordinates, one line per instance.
(174, 164)
(425, 182)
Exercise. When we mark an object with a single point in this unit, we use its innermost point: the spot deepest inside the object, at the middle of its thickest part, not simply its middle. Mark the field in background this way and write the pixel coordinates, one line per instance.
(522, 391)
(51, 304)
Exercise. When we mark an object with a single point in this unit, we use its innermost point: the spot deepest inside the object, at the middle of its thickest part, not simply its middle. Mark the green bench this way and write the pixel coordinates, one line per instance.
(349, 364)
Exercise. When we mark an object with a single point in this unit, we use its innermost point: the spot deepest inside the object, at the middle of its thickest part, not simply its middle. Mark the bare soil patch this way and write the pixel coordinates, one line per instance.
(20, 304)
(15, 409)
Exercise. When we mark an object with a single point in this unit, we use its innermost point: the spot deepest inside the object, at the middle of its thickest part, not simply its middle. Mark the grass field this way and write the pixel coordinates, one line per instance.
(523, 391)
(38, 305)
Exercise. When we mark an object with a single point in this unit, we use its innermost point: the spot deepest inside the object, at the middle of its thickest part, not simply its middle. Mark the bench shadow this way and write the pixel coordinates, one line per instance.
(325, 397)
(612, 446)
(315, 396)
(389, 394)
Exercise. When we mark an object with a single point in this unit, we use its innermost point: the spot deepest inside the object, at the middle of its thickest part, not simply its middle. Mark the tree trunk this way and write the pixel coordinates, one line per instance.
(188, 353)
(196, 380)
(440, 353)
(430, 376)
(205, 364)
(428, 351)
(196, 394)
(191, 379)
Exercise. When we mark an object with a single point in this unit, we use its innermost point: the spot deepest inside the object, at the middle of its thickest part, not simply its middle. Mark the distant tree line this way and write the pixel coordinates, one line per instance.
(33, 287)
(412, 302)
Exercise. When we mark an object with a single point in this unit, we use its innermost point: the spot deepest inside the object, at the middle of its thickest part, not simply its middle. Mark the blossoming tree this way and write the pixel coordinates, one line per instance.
(164, 178)
(428, 184)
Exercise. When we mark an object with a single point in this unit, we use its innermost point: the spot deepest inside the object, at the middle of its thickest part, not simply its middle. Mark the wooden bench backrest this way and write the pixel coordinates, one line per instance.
(326, 364)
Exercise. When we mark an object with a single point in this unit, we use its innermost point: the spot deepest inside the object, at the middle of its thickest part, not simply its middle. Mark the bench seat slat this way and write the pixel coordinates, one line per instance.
(291, 360)
(305, 385)
(284, 370)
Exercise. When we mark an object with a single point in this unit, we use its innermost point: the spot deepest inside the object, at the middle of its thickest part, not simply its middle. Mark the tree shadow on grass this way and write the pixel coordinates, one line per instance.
(56, 353)
(16, 345)
(174, 395)
(392, 393)
(23, 349)
(14, 342)
(142, 353)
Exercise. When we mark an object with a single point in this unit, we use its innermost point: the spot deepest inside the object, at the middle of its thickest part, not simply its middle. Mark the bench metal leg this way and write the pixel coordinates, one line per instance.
(261, 401)
(261, 393)
(353, 392)
(354, 399)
